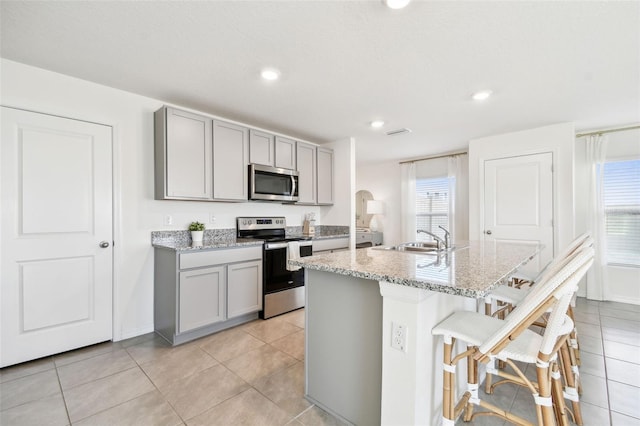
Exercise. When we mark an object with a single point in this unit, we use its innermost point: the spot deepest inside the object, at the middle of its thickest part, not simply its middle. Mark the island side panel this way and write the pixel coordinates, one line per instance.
(343, 358)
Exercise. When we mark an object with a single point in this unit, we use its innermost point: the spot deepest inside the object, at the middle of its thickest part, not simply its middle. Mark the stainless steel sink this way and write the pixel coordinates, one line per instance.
(418, 247)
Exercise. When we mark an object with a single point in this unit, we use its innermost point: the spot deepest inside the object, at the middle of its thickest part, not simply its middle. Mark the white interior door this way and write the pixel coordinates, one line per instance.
(518, 203)
(56, 235)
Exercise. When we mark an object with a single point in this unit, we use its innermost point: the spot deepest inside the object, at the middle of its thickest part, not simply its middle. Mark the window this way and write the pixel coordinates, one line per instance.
(432, 206)
(621, 191)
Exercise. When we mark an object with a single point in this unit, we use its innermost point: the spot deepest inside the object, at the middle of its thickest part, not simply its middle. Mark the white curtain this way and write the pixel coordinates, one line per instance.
(458, 172)
(596, 146)
(408, 200)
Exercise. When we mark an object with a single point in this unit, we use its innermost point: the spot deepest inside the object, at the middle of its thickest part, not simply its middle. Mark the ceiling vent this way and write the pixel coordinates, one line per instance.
(398, 131)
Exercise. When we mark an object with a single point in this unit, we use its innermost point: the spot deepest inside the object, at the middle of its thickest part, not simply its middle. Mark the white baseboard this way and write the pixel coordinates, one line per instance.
(127, 334)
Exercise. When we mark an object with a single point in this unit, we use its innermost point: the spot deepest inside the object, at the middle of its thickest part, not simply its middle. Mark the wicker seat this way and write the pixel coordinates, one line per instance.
(510, 340)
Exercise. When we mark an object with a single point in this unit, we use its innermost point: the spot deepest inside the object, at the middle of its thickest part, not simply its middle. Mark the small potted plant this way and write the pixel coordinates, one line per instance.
(197, 231)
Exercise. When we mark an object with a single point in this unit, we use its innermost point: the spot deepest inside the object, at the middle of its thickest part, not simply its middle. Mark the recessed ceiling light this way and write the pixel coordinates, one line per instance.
(396, 4)
(376, 124)
(270, 74)
(481, 96)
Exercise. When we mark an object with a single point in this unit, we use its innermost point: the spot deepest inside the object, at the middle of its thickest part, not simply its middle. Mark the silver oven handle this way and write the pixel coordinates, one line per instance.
(274, 246)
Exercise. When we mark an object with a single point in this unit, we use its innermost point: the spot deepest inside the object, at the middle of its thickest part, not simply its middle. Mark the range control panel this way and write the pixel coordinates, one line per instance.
(246, 223)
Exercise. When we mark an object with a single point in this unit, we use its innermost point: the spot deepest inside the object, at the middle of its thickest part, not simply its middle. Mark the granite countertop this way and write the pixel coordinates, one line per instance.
(470, 271)
(326, 236)
(182, 245)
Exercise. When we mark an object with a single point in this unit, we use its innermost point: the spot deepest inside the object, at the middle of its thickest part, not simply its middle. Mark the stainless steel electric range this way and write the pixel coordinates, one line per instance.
(283, 290)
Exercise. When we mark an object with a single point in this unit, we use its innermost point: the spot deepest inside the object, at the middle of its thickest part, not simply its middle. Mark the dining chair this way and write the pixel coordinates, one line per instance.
(489, 338)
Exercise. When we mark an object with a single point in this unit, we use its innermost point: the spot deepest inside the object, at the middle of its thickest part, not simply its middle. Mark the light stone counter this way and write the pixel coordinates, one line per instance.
(470, 271)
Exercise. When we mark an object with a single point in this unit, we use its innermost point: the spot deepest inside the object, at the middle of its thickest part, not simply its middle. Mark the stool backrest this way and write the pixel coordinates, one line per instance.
(537, 301)
(581, 241)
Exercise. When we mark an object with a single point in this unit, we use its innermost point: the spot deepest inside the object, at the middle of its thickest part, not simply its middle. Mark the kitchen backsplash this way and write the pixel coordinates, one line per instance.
(229, 234)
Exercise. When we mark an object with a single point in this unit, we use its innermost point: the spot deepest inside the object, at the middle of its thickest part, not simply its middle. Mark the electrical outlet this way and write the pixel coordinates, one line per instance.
(399, 337)
(168, 219)
(212, 218)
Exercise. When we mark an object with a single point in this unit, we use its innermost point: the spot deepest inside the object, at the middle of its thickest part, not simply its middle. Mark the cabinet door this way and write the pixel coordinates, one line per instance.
(325, 176)
(202, 298)
(230, 161)
(187, 155)
(244, 288)
(285, 153)
(261, 148)
(306, 160)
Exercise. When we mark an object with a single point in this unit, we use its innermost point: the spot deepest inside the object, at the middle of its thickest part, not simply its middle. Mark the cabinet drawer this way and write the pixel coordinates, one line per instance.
(330, 244)
(363, 237)
(217, 257)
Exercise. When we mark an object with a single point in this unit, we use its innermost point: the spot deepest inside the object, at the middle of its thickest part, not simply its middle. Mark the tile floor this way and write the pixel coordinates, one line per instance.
(254, 374)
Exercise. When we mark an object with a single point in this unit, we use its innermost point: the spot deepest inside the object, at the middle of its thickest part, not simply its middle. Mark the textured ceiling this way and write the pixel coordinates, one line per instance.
(345, 63)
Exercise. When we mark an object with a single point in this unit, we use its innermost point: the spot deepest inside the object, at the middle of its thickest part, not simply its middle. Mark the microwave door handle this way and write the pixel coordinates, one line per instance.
(293, 185)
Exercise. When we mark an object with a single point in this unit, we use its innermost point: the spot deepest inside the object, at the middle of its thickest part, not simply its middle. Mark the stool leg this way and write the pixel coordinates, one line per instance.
(489, 377)
(448, 384)
(570, 378)
(472, 386)
(543, 399)
(560, 409)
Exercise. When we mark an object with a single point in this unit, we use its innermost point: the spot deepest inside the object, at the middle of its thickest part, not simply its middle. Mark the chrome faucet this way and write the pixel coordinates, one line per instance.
(447, 237)
(439, 241)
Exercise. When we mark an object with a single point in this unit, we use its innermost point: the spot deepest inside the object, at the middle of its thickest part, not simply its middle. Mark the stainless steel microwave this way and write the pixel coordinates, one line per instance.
(272, 183)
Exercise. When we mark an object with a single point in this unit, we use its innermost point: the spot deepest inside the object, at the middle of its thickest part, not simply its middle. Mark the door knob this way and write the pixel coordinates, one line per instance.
(104, 244)
(488, 232)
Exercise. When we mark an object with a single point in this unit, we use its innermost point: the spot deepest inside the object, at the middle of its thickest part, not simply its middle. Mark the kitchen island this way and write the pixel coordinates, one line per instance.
(354, 298)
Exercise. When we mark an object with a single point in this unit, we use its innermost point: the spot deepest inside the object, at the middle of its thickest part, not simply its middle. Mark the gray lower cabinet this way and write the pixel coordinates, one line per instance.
(330, 245)
(201, 292)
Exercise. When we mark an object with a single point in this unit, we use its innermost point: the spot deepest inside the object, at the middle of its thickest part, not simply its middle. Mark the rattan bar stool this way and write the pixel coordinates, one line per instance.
(489, 338)
(510, 296)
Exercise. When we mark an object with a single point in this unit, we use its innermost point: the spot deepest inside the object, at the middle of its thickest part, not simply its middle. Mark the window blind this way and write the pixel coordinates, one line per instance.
(432, 206)
(621, 192)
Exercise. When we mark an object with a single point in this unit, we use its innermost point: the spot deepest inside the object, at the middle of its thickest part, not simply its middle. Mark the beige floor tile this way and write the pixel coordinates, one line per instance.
(271, 329)
(594, 390)
(292, 344)
(592, 364)
(619, 313)
(316, 416)
(229, 344)
(29, 388)
(624, 398)
(620, 306)
(587, 318)
(620, 324)
(591, 345)
(296, 318)
(618, 419)
(592, 415)
(26, 369)
(197, 393)
(49, 411)
(93, 397)
(248, 408)
(94, 368)
(623, 372)
(621, 351)
(138, 339)
(260, 362)
(627, 337)
(150, 350)
(180, 362)
(590, 330)
(286, 388)
(86, 352)
(149, 409)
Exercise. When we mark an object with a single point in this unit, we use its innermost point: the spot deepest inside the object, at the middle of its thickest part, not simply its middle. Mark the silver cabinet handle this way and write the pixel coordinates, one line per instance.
(104, 244)
(488, 232)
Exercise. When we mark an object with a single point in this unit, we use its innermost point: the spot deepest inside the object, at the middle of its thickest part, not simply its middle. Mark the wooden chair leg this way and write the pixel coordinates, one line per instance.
(472, 386)
(571, 378)
(543, 399)
(559, 407)
(448, 383)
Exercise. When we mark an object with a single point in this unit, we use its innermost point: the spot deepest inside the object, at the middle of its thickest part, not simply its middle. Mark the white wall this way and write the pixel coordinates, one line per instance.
(136, 212)
(622, 282)
(383, 181)
(557, 139)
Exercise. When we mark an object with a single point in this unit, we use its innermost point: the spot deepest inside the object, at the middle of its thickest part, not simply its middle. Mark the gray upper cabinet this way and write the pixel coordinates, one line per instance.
(306, 160)
(285, 153)
(261, 148)
(230, 160)
(183, 157)
(325, 175)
